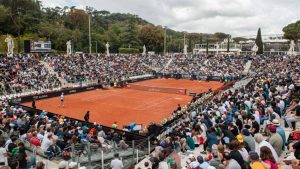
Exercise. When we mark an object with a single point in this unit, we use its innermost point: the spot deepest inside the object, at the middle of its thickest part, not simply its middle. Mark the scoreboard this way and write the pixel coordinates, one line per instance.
(37, 46)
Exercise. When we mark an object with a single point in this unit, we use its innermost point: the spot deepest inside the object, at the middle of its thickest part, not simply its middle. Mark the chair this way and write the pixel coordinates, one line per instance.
(297, 124)
(40, 152)
(27, 145)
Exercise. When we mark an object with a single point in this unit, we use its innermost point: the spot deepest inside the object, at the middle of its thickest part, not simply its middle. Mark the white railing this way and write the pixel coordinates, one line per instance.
(140, 77)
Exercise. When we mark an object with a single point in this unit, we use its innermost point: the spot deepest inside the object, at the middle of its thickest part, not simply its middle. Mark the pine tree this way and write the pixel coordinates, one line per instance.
(190, 44)
(259, 42)
(206, 45)
(130, 34)
(228, 44)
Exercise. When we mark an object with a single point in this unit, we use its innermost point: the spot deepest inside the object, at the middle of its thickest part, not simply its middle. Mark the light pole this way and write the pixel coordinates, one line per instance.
(96, 46)
(183, 38)
(165, 40)
(89, 10)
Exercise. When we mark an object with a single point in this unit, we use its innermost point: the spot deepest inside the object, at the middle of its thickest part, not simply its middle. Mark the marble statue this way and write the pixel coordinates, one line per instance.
(254, 49)
(185, 49)
(292, 48)
(69, 47)
(217, 48)
(107, 49)
(144, 50)
(10, 45)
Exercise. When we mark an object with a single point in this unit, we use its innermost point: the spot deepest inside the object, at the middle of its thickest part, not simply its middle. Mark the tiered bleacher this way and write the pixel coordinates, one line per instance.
(256, 123)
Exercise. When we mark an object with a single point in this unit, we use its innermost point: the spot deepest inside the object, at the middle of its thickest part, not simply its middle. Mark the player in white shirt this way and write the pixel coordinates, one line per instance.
(62, 97)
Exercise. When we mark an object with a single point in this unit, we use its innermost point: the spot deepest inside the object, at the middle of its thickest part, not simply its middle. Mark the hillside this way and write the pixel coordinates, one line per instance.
(27, 19)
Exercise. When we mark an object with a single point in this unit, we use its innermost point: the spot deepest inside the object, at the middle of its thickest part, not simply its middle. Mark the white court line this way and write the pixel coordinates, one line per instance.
(146, 106)
(157, 103)
(98, 97)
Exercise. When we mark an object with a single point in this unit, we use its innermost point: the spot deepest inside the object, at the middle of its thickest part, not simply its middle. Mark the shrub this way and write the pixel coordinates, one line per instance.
(129, 50)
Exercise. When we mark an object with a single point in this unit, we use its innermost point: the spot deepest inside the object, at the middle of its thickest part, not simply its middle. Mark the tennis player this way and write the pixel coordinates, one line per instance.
(62, 97)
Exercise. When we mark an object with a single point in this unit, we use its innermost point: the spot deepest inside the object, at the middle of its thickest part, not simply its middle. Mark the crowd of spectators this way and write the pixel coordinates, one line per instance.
(50, 134)
(256, 126)
(156, 61)
(103, 68)
(223, 66)
(244, 128)
(24, 72)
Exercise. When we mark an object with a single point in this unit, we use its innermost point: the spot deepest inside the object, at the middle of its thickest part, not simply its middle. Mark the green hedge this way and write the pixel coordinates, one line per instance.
(129, 50)
(3, 45)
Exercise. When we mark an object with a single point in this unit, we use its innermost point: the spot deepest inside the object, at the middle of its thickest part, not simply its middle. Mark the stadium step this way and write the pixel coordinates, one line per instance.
(159, 69)
(169, 62)
(50, 69)
(247, 67)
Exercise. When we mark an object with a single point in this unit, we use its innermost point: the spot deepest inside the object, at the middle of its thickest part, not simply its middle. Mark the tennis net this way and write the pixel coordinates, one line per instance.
(158, 89)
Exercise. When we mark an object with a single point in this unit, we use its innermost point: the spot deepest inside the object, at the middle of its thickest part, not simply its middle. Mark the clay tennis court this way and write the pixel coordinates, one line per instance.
(126, 105)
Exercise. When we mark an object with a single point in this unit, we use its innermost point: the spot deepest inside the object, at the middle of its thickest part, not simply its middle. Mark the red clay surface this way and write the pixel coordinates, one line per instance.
(126, 105)
(190, 85)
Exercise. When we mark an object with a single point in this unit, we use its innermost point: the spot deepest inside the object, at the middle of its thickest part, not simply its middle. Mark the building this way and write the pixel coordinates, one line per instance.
(274, 44)
(218, 48)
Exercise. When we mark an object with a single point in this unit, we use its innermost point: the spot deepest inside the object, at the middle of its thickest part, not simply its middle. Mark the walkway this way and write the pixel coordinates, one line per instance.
(50, 69)
(247, 67)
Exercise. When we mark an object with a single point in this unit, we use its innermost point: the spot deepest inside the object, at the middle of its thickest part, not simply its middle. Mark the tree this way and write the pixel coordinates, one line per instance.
(152, 36)
(238, 39)
(220, 36)
(228, 43)
(77, 19)
(130, 37)
(190, 44)
(292, 32)
(3, 15)
(193, 39)
(259, 42)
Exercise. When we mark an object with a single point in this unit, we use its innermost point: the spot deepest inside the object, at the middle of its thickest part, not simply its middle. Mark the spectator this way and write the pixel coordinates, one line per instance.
(13, 164)
(261, 143)
(275, 140)
(147, 165)
(3, 153)
(254, 159)
(216, 161)
(293, 117)
(267, 158)
(73, 165)
(13, 146)
(211, 139)
(63, 165)
(116, 163)
(235, 154)
(25, 162)
(229, 162)
(203, 164)
(34, 140)
(248, 139)
(280, 131)
(254, 126)
(40, 165)
(47, 142)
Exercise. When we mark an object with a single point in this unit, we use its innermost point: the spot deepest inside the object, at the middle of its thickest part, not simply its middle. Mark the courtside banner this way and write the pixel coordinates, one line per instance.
(67, 91)
(56, 93)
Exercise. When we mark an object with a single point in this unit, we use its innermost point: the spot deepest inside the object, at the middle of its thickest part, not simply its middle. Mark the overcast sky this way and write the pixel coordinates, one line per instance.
(236, 17)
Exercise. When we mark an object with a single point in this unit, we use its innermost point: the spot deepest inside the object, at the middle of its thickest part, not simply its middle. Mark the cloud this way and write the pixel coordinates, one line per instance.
(236, 17)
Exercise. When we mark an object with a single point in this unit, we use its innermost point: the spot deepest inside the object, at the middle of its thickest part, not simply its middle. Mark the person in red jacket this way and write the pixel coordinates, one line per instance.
(34, 140)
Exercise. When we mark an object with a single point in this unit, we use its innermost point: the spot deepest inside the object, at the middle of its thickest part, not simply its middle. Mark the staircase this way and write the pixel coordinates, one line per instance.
(247, 67)
(169, 62)
(50, 69)
(158, 69)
